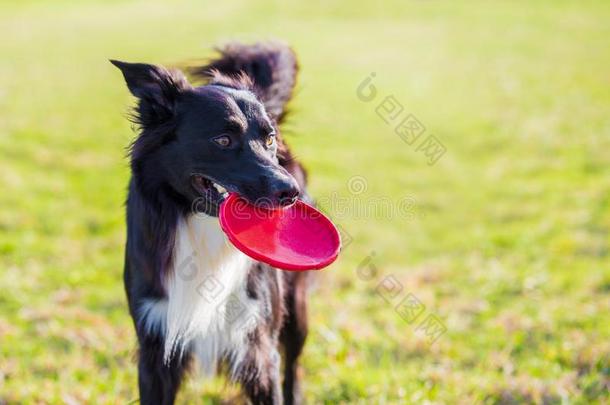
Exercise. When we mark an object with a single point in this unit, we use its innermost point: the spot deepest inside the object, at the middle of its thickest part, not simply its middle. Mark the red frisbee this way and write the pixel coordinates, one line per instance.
(298, 237)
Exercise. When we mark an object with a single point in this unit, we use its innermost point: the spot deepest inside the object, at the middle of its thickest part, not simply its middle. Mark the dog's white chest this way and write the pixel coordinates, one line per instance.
(207, 310)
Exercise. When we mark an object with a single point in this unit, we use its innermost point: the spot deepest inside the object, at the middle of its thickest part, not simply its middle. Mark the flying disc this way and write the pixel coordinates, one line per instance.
(297, 237)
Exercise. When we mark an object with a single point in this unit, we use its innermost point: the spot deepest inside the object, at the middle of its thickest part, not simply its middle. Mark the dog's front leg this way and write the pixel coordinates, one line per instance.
(260, 376)
(158, 383)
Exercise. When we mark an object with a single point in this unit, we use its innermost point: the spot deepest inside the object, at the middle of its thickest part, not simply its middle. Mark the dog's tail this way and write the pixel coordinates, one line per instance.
(272, 67)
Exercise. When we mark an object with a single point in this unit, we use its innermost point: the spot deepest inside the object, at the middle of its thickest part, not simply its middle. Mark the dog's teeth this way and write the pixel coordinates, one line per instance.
(220, 188)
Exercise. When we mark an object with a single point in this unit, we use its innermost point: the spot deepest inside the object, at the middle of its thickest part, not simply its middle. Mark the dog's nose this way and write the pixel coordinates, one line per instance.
(286, 194)
(288, 197)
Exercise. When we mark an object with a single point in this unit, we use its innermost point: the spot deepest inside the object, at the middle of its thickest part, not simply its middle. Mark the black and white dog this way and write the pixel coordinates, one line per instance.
(191, 294)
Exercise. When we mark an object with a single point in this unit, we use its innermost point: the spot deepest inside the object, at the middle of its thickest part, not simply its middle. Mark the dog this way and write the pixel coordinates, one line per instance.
(192, 295)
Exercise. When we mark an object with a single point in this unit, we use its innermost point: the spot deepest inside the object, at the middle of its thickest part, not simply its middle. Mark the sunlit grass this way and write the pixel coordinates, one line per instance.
(506, 243)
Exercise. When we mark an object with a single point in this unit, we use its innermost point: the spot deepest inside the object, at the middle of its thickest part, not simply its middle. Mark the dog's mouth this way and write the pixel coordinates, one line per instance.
(210, 192)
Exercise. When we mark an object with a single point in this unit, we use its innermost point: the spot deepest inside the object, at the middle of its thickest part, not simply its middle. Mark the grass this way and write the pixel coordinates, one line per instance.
(506, 241)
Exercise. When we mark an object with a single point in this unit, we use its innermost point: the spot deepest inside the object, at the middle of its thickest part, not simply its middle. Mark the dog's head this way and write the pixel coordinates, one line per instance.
(200, 142)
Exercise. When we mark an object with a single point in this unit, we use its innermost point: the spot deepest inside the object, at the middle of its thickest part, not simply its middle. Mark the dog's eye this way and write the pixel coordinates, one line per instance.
(223, 141)
(270, 139)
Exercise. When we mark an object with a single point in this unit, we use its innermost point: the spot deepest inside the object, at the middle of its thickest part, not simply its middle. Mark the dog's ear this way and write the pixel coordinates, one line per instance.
(156, 88)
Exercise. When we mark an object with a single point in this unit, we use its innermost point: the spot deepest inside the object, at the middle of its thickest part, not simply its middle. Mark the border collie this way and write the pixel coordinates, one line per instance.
(192, 295)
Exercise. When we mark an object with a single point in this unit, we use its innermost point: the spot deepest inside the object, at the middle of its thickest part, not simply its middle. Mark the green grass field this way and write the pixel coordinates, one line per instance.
(505, 239)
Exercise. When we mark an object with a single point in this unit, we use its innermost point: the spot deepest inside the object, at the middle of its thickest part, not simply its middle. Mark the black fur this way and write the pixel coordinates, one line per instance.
(172, 160)
(271, 66)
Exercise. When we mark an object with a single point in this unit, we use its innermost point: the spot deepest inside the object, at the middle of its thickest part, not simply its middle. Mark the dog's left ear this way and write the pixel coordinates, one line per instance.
(156, 88)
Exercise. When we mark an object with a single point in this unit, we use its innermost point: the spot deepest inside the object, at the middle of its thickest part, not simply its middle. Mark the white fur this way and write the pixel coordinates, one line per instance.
(208, 274)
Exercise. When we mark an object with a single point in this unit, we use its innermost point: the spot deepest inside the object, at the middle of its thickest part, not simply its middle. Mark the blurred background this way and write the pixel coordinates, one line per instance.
(462, 147)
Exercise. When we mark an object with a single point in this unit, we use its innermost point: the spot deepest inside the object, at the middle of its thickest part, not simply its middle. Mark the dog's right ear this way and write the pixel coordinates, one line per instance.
(156, 88)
